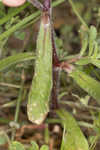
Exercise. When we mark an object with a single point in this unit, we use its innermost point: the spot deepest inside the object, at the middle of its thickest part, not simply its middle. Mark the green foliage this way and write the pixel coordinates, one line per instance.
(89, 60)
(73, 138)
(18, 25)
(89, 42)
(2, 10)
(14, 12)
(84, 43)
(42, 81)
(3, 138)
(6, 62)
(20, 35)
(23, 22)
(44, 147)
(87, 83)
(92, 38)
(39, 94)
(16, 146)
(34, 146)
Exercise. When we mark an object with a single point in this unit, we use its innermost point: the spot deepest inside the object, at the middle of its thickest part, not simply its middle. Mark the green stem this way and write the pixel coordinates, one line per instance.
(77, 14)
(19, 102)
(18, 105)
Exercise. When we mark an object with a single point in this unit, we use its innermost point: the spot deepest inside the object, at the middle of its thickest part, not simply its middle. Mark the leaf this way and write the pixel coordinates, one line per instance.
(16, 146)
(6, 62)
(20, 35)
(84, 61)
(44, 147)
(96, 49)
(14, 13)
(34, 146)
(84, 43)
(92, 38)
(96, 62)
(3, 139)
(73, 138)
(19, 25)
(22, 22)
(87, 83)
(38, 100)
(89, 60)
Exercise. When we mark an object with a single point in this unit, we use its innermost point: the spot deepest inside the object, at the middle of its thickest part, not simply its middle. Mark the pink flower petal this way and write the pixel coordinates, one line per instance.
(13, 3)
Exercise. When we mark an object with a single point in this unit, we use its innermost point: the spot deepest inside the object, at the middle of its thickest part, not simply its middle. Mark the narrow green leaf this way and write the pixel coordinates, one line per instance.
(89, 60)
(22, 22)
(14, 13)
(44, 147)
(87, 83)
(84, 61)
(6, 62)
(73, 138)
(38, 101)
(92, 37)
(95, 55)
(96, 62)
(16, 146)
(84, 44)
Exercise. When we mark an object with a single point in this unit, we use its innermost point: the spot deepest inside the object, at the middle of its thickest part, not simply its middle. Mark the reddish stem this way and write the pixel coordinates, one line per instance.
(55, 61)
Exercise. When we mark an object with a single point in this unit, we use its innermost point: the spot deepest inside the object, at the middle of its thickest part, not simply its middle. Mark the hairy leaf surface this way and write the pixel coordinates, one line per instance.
(38, 102)
(73, 138)
(87, 83)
